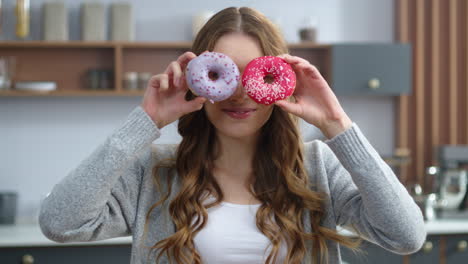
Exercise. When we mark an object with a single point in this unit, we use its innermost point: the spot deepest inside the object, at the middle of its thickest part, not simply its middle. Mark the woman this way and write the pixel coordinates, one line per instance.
(241, 187)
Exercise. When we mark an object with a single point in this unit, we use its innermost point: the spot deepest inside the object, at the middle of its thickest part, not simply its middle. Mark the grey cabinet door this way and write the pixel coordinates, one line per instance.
(371, 69)
(68, 254)
(457, 251)
(371, 254)
(429, 254)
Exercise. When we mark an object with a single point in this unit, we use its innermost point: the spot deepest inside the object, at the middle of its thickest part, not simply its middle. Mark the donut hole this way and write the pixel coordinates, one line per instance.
(213, 75)
(269, 78)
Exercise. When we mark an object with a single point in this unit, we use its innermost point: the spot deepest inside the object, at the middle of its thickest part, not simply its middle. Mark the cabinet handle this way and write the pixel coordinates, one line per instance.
(374, 83)
(427, 247)
(28, 259)
(462, 245)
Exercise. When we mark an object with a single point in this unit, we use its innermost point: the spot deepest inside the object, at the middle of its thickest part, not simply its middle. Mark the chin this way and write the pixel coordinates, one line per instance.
(238, 131)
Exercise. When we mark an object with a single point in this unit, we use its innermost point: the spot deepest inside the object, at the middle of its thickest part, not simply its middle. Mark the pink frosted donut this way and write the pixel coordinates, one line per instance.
(212, 75)
(268, 79)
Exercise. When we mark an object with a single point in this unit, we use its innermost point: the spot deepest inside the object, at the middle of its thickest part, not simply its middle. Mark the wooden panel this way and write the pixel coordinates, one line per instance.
(435, 81)
(433, 106)
(118, 68)
(419, 90)
(442, 250)
(465, 73)
(453, 90)
(66, 67)
(437, 112)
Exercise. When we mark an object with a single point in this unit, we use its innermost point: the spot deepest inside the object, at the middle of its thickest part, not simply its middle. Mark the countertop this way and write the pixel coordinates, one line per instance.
(31, 235)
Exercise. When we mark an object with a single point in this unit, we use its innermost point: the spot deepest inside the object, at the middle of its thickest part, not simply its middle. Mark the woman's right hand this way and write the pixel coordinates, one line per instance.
(164, 98)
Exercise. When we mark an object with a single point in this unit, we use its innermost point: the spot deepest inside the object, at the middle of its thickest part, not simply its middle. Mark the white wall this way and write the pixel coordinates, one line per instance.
(42, 139)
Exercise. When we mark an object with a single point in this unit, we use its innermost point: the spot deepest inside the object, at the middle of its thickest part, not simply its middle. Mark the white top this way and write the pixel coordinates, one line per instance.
(231, 236)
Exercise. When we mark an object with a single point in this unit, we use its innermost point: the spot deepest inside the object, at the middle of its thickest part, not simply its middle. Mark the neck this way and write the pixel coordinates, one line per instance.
(236, 155)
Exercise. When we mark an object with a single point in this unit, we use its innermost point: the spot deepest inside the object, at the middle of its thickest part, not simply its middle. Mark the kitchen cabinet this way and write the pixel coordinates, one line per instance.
(115, 254)
(371, 69)
(371, 254)
(438, 249)
(456, 249)
(358, 69)
(429, 253)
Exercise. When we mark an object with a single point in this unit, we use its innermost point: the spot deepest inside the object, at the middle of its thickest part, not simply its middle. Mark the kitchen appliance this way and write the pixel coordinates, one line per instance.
(8, 204)
(451, 177)
(426, 203)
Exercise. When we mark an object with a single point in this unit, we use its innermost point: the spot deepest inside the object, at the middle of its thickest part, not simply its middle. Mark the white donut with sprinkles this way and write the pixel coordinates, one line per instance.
(212, 75)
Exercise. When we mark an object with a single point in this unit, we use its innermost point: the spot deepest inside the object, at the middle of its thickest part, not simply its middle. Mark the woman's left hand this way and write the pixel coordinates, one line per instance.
(315, 101)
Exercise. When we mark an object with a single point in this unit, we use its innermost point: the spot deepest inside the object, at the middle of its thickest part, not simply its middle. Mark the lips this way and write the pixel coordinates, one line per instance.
(239, 112)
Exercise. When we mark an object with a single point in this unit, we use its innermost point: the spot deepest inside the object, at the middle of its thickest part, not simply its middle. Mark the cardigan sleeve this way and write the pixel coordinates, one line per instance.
(97, 200)
(366, 194)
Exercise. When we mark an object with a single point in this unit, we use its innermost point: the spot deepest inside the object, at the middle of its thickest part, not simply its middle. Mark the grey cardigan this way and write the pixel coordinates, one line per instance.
(110, 192)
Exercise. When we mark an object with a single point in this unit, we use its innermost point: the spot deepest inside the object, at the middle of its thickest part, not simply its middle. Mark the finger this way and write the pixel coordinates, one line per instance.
(184, 59)
(195, 104)
(290, 107)
(152, 86)
(183, 84)
(301, 64)
(154, 81)
(311, 70)
(282, 55)
(307, 68)
(174, 71)
(293, 59)
(160, 82)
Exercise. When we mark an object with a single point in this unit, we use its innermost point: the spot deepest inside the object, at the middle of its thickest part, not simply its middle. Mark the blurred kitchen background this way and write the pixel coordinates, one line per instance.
(406, 60)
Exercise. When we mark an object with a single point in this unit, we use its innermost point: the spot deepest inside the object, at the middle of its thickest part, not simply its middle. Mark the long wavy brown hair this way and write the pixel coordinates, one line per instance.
(280, 182)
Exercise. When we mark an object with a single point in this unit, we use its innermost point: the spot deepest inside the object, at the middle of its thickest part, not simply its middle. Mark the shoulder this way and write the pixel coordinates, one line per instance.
(317, 151)
(317, 155)
(162, 152)
(157, 154)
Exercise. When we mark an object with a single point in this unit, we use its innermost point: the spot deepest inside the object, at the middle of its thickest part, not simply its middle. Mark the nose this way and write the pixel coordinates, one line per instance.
(240, 94)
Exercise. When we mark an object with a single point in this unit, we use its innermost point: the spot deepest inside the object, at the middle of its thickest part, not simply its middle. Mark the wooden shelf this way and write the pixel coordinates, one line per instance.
(13, 93)
(68, 62)
(115, 44)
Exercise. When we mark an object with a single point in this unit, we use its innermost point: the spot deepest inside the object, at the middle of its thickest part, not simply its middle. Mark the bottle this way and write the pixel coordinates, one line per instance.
(22, 18)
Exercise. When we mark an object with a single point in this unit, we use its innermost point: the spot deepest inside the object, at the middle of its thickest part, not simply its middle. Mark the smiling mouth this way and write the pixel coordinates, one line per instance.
(239, 113)
(239, 110)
